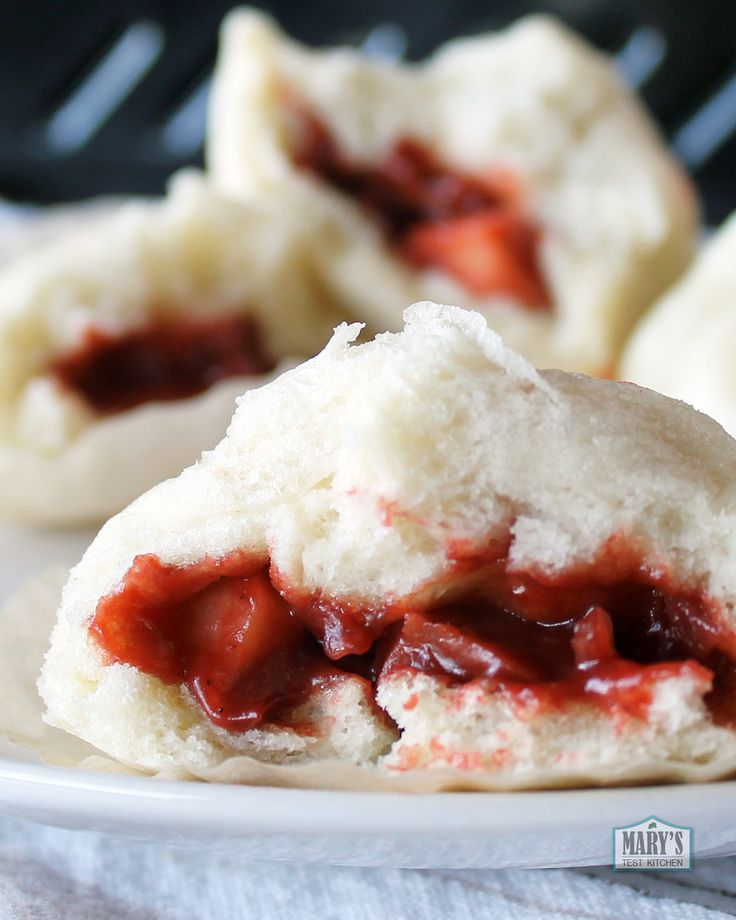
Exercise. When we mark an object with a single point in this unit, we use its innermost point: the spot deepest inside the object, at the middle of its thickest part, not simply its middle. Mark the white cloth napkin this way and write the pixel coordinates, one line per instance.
(49, 874)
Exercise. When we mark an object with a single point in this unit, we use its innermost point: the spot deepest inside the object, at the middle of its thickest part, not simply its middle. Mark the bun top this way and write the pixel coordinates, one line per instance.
(364, 471)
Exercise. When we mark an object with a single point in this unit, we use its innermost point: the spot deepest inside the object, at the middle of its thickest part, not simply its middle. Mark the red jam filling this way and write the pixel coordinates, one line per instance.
(471, 227)
(166, 360)
(250, 650)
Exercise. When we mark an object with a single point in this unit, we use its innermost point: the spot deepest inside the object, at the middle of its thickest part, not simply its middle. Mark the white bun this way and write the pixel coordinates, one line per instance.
(617, 228)
(193, 254)
(461, 440)
(684, 347)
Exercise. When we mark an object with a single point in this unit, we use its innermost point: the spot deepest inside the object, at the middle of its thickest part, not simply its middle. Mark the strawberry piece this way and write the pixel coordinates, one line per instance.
(442, 648)
(471, 226)
(592, 638)
(492, 252)
(243, 649)
(234, 624)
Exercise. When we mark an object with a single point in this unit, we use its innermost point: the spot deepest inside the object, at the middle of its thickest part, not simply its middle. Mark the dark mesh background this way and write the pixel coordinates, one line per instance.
(681, 54)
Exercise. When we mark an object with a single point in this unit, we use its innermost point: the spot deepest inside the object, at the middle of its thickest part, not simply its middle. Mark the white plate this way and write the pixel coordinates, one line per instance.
(565, 828)
(445, 830)
(25, 553)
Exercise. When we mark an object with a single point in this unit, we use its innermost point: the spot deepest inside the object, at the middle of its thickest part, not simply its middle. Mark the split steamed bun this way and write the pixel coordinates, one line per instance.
(592, 217)
(685, 346)
(396, 489)
(187, 265)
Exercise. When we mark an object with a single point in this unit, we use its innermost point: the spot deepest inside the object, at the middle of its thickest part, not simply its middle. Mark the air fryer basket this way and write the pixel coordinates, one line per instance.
(110, 97)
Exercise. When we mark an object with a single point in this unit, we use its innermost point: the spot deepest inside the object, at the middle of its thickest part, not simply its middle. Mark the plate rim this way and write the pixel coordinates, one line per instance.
(253, 808)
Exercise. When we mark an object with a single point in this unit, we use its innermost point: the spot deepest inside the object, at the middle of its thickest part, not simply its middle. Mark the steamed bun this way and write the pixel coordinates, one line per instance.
(414, 553)
(124, 342)
(685, 345)
(511, 173)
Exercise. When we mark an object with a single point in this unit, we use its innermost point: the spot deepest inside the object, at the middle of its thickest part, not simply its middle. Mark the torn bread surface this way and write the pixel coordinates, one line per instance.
(477, 177)
(419, 554)
(684, 345)
(124, 343)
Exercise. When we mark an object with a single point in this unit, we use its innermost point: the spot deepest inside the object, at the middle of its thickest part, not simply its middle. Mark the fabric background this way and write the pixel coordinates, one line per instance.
(49, 874)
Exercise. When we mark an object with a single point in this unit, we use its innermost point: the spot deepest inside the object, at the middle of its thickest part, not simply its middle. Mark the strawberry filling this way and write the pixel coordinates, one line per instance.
(166, 360)
(250, 650)
(471, 227)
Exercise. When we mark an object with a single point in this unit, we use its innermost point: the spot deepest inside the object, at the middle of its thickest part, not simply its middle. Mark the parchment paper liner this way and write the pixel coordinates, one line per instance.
(25, 626)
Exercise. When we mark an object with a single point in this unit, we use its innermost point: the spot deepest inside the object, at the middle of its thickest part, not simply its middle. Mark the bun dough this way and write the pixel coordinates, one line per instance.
(685, 346)
(616, 213)
(195, 254)
(355, 473)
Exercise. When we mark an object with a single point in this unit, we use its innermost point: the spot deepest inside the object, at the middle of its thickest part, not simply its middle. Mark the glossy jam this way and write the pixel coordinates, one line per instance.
(229, 637)
(471, 227)
(249, 648)
(165, 360)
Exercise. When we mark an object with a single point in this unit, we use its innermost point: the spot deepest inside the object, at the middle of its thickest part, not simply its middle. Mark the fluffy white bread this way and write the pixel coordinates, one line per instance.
(461, 439)
(466, 729)
(685, 346)
(193, 254)
(617, 214)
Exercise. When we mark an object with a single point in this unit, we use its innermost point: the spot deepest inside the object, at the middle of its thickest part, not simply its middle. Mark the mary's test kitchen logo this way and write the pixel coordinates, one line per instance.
(653, 844)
